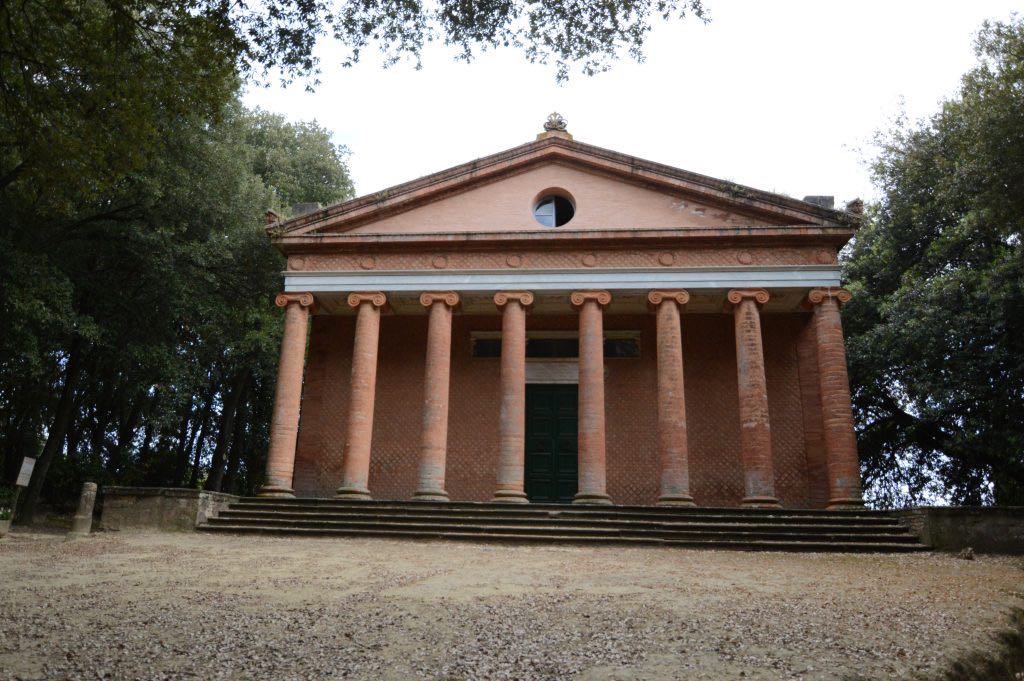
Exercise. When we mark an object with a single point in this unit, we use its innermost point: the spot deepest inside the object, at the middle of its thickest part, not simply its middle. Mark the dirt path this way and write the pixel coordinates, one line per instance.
(150, 606)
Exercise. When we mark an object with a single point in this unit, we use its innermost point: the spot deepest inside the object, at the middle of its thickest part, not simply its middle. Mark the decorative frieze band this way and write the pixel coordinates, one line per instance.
(559, 259)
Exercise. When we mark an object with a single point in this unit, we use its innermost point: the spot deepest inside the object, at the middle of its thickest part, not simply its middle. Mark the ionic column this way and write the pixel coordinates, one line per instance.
(511, 461)
(755, 429)
(672, 445)
(836, 410)
(284, 422)
(359, 432)
(591, 439)
(435, 401)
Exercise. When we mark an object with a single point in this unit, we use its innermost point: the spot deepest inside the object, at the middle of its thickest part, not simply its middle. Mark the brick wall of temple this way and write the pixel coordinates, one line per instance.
(631, 391)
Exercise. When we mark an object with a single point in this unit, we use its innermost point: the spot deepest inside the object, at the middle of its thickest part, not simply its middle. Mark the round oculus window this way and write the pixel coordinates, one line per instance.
(553, 210)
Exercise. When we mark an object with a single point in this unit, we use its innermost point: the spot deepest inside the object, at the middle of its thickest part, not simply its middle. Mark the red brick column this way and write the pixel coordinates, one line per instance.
(513, 395)
(836, 410)
(755, 429)
(356, 463)
(672, 445)
(435, 401)
(591, 439)
(284, 422)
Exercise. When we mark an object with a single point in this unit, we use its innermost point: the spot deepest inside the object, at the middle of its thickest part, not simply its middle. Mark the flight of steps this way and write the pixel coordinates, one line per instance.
(713, 528)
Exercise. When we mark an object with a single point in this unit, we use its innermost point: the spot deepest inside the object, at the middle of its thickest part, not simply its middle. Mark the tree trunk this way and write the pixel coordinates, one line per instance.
(125, 435)
(148, 433)
(238, 440)
(197, 451)
(226, 429)
(181, 452)
(55, 438)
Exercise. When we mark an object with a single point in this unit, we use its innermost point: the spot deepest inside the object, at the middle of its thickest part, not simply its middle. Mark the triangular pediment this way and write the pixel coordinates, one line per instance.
(610, 191)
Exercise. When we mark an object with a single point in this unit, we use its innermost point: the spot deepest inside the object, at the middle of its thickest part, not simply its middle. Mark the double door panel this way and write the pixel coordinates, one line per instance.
(551, 452)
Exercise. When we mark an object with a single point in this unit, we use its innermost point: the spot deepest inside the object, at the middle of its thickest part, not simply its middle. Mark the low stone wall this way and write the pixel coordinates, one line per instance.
(988, 529)
(159, 508)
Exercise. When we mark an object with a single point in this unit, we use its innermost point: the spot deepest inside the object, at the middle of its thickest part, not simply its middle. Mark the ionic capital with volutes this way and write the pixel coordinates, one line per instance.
(503, 298)
(375, 298)
(449, 298)
(817, 296)
(303, 299)
(601, 297)
(680, 296)
(738, 295)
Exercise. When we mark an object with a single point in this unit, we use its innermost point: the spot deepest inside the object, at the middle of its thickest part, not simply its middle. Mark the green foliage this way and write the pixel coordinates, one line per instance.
(6, 502)
(936, 326)
(166, 294)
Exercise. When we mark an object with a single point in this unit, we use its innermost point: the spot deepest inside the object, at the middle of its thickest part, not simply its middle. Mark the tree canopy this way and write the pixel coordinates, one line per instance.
(138, 344)
(936, 327)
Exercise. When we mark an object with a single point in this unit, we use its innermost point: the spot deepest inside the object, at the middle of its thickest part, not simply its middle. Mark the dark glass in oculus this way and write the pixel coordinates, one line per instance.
(553, 211)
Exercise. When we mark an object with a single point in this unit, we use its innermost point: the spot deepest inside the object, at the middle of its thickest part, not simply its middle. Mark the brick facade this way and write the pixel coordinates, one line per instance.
(716, 476)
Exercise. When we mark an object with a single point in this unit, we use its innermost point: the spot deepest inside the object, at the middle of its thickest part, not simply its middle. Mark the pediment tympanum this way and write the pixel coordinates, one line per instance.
(609, 191)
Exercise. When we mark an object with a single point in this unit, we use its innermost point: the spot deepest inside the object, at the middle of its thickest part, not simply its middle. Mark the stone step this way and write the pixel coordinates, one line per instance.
(526, 511)
(563, 530)
(534, 507)
(522, 537)
(710, 523)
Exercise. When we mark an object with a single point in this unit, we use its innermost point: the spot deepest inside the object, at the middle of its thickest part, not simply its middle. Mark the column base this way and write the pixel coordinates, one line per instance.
(353, 494)
(760, 502)
(848, 504)
(510, 496)
(430, 495)
(586, 498)
(675, 500)
(273, 491)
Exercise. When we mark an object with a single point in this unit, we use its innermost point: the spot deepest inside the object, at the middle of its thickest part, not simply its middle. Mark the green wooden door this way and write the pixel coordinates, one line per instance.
(551, 463)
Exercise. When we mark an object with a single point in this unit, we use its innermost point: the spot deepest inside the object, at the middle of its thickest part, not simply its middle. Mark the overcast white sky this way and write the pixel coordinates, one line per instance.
(780, 95)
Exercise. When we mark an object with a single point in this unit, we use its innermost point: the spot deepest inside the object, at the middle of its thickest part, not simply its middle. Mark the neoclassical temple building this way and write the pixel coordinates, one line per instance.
(563, 323)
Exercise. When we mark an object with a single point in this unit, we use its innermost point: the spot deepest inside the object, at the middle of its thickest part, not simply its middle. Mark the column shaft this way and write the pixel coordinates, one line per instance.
(836, 410)
(672, 444)
(359, 431)
(435, 401)
(591, 439)
(755, 428)
(511, 460)
(284, 422)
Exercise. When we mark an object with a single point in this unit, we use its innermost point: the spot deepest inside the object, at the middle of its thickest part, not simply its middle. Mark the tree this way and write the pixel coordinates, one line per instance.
(936, 326)
(170, 348)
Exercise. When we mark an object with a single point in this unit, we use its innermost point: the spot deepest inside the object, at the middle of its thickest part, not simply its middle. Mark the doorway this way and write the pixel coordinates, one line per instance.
(551, 456)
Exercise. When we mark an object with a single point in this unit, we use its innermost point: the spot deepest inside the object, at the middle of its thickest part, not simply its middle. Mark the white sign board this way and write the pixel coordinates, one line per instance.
(26, 472)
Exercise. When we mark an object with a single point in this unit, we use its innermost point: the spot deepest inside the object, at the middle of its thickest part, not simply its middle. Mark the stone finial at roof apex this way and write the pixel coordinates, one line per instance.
(555, 126)
(555, 122)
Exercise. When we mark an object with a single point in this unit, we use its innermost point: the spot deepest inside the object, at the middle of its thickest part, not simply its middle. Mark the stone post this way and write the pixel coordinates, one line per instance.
(836, 411)
(284, 420)
(359, 432)
(672, 445)
(511, 461)
(755, 428)
(82, 523)
(591, 439)
(435, 401)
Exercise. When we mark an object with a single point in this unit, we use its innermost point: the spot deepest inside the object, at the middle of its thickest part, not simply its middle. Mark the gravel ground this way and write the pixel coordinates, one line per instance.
(155, 606)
